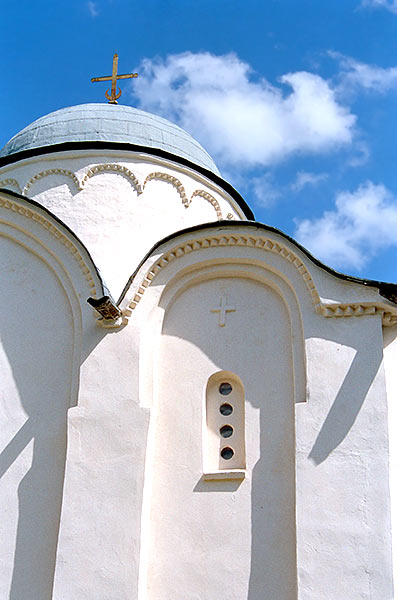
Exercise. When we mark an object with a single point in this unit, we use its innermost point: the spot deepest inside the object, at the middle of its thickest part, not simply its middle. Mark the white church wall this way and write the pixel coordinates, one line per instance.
(46, 277)
(240, 571)
(36, 363)
(343, 506)
(99, 541)
(342, 454)
(390, 361)
(108, 200)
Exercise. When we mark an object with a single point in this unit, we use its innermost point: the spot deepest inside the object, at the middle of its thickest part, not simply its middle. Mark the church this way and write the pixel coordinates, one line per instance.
(193, 407)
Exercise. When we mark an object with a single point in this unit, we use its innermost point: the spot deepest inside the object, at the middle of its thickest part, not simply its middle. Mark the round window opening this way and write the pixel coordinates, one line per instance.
(226, 409)
(225, 389)
(226, 431)
(227, 453)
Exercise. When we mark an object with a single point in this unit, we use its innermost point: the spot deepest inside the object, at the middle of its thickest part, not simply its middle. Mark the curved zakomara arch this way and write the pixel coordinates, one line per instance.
(42, 235)
(220, 240)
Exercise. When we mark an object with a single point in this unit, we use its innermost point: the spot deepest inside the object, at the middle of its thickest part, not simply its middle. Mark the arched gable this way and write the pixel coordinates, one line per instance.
(38, 231)
(41, 232)
(366, 298)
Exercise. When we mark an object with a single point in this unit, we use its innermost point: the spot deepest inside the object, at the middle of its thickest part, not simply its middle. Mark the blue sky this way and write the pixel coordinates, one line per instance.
(295, 100)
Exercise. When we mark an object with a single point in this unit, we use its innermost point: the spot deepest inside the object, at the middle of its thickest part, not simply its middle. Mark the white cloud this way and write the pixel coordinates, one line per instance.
(360, 156)
(240, 119)
(388, 4)
(264, 190)
(92, 8)
(363, 222)
(370, 77)
(303, 179)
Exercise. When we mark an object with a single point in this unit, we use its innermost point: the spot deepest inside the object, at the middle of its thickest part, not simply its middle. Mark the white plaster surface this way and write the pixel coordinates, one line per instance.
(36, 389)
(343, 515)
(99, 540)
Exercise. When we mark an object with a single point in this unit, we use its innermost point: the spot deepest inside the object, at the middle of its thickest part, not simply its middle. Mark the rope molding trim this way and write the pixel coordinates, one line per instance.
(128, 174)
(327, 310)
(30, 214)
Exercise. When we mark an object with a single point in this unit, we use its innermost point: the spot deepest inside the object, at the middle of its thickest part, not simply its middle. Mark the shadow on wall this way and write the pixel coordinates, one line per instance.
(350, 397)
(36, 332)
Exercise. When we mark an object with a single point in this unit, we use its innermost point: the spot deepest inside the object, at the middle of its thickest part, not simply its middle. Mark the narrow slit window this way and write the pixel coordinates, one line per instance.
(225, 424)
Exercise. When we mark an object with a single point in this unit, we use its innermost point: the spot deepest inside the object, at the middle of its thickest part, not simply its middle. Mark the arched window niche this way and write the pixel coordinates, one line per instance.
(224, 427)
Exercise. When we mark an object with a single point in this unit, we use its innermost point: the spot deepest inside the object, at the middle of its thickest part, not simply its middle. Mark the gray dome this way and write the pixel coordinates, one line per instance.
(111, 123)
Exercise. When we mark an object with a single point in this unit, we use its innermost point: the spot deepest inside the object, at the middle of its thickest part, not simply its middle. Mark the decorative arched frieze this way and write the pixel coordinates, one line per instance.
(210, 199)
(173, 181)
(113, 168)
(10, 182)
(42, 174)
(103, 168)
(129, 175)
(324, 309)
(30, 213)
(182, 193)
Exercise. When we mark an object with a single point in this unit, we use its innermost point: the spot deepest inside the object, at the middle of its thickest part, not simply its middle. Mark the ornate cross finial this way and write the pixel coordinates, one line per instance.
(113, 78)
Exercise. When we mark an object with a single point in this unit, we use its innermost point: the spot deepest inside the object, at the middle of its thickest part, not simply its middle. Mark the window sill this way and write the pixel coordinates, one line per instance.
(227, 474)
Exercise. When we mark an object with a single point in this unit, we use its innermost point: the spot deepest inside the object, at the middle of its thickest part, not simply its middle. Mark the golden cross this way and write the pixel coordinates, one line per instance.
(114, 77)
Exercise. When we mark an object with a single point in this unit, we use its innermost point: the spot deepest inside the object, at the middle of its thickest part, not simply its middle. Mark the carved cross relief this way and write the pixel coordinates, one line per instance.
(222, 309)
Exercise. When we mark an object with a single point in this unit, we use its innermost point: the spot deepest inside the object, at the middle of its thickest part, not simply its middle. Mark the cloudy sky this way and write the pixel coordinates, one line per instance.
(296, 100)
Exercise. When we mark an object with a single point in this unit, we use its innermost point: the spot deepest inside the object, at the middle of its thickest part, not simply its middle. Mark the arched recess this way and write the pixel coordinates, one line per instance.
(45, 280)
(167, 290)
(188, 344)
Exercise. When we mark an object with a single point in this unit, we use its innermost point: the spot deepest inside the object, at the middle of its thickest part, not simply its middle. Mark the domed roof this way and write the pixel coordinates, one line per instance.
(111, 123)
